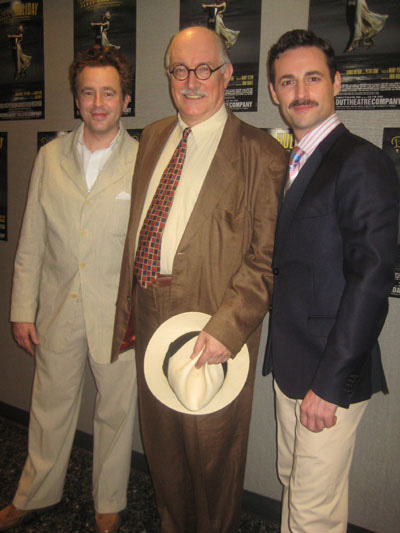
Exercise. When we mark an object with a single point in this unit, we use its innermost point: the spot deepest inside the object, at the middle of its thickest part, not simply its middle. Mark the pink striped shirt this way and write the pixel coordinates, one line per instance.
(311, 140)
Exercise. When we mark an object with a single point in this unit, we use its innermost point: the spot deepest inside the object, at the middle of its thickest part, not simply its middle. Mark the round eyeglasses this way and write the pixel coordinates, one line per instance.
(202, 71)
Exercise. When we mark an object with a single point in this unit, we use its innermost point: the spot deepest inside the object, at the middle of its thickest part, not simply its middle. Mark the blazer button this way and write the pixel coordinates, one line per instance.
(276, 271)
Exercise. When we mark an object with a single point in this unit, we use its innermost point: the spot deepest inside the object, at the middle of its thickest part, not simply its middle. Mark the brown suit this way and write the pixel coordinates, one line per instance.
(222, 267)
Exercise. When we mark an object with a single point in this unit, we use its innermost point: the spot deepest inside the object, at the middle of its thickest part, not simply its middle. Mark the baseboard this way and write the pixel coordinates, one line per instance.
(253, 503)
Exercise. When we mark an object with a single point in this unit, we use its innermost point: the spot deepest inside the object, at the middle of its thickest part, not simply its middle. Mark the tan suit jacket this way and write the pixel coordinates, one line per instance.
(223, 262)
(71, 244)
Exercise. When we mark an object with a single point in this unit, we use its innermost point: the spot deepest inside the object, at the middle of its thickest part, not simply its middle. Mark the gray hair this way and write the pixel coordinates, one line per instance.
(224, 55)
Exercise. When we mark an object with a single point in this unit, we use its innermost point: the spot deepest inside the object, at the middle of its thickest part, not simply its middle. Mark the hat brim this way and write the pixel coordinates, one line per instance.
(171, 329)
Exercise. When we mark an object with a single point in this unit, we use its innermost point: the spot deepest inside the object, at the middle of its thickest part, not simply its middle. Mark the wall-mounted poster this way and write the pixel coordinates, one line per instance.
(391, 145)
(284, 137)
(108, 23)
(3, 186)
(43, 137)
(366, 39)
(135, 133)
(21, 60)
(239, 24)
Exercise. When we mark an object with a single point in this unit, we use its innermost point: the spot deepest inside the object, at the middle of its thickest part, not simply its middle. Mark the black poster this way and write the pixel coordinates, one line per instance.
(239, 24)
(366, 39)
(284, 137)
(109, 23)
(3, 186)
(21, 60)
(391, 145)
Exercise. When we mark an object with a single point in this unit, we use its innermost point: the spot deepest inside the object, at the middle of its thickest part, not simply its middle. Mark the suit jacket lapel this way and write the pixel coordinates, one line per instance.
(116, 167)
(71, 161)
(289, 205)
(144, 169)
(219, 176)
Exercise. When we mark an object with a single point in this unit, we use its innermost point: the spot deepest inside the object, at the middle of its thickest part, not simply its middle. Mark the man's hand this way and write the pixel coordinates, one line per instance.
(317, 414)
(214, 351)
(26, 336)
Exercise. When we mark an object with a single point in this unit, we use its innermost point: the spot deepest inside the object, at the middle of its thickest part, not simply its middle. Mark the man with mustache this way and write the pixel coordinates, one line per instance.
(64, 290)
(333, 264)
(216, 250)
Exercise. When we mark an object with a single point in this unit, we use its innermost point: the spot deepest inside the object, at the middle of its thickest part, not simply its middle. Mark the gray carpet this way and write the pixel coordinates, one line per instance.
(75, 514)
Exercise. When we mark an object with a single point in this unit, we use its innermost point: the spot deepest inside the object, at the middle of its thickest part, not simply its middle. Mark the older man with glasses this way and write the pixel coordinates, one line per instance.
(211, 253)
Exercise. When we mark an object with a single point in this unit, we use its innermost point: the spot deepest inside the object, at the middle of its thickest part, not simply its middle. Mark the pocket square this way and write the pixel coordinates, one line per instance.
(123, 196)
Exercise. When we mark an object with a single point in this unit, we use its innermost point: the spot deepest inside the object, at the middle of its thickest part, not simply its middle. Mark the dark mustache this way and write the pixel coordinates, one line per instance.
(302, 102)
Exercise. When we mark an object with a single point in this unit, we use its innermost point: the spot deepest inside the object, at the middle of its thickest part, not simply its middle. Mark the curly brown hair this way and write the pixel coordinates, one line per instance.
(99, 56)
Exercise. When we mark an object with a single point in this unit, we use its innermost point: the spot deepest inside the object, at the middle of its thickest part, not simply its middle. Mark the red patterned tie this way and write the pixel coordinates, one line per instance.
(147, 260)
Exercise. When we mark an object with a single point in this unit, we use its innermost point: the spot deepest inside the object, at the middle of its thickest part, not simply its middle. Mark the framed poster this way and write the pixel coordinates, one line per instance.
(366, 39)
(21, 60)
(108, 23)
(239, 24)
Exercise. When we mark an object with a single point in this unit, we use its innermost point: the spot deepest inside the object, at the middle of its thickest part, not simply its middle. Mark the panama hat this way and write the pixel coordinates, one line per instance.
(171, 374)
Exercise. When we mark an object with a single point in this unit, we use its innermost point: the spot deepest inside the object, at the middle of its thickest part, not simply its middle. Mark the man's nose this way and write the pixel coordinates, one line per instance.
(192, 81)
(301, 89)
(98, 99)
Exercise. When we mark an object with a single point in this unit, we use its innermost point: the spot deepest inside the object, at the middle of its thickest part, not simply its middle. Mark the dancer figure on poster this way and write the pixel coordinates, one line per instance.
(230, 36)
(363, 24)
(22, 61)
(103, 27)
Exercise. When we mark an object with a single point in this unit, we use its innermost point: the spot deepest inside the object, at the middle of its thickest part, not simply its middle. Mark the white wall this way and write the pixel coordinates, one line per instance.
(375, 478)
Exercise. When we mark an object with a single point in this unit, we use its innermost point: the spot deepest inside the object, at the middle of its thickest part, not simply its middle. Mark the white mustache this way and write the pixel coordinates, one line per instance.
(193, 92)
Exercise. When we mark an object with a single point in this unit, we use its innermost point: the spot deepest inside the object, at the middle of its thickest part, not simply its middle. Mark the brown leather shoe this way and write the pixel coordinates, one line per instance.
(107, 522)
(10, 517)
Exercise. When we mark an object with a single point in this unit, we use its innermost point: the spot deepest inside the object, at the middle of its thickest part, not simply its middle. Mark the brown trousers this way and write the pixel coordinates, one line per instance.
(197, 462)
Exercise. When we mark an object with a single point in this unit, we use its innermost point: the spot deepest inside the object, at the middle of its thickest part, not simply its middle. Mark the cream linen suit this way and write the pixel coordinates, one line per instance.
(66, 280)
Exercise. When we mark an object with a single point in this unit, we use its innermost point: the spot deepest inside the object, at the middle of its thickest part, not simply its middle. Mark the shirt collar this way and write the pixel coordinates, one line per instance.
(314, 137)
(111, 146)
(201, 131)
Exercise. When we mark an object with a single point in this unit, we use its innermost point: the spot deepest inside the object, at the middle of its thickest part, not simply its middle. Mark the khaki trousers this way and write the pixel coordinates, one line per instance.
(197, 462)
(314, 468)
(56, 398)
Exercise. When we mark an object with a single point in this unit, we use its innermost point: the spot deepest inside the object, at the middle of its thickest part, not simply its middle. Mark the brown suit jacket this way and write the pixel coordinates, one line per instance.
(223, 263)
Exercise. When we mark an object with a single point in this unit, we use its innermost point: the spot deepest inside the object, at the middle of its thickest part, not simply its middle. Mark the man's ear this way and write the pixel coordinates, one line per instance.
(337, 81)
(127, 99)
(227, 74)
(273, 94)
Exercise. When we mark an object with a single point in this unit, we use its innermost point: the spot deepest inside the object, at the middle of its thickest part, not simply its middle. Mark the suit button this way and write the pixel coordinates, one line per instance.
(276, 271)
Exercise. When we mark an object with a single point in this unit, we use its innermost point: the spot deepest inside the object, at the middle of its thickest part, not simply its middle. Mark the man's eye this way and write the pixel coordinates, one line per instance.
(203, 69)
(180, 70)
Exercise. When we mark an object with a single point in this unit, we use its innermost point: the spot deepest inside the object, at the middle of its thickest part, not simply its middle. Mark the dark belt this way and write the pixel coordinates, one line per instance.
(162, 281)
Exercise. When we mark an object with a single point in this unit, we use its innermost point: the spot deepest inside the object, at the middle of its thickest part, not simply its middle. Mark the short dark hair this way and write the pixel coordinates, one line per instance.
(99, 56)
(297, 39)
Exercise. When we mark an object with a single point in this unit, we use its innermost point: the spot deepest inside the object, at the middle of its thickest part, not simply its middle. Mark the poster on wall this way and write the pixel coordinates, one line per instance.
(239, 24)
(284, 136)
(3, 186)
(21, 60)
(108, 23)
(366, 39)
(391, 145)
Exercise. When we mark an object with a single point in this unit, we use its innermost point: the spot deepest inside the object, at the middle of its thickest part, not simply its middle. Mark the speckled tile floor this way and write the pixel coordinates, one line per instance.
(74, 514)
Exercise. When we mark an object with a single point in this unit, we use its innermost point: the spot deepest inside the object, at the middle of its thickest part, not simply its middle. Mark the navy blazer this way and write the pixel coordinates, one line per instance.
(334, 258)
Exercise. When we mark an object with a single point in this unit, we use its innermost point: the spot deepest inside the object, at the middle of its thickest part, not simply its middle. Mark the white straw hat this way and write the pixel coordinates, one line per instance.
(171, 374)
